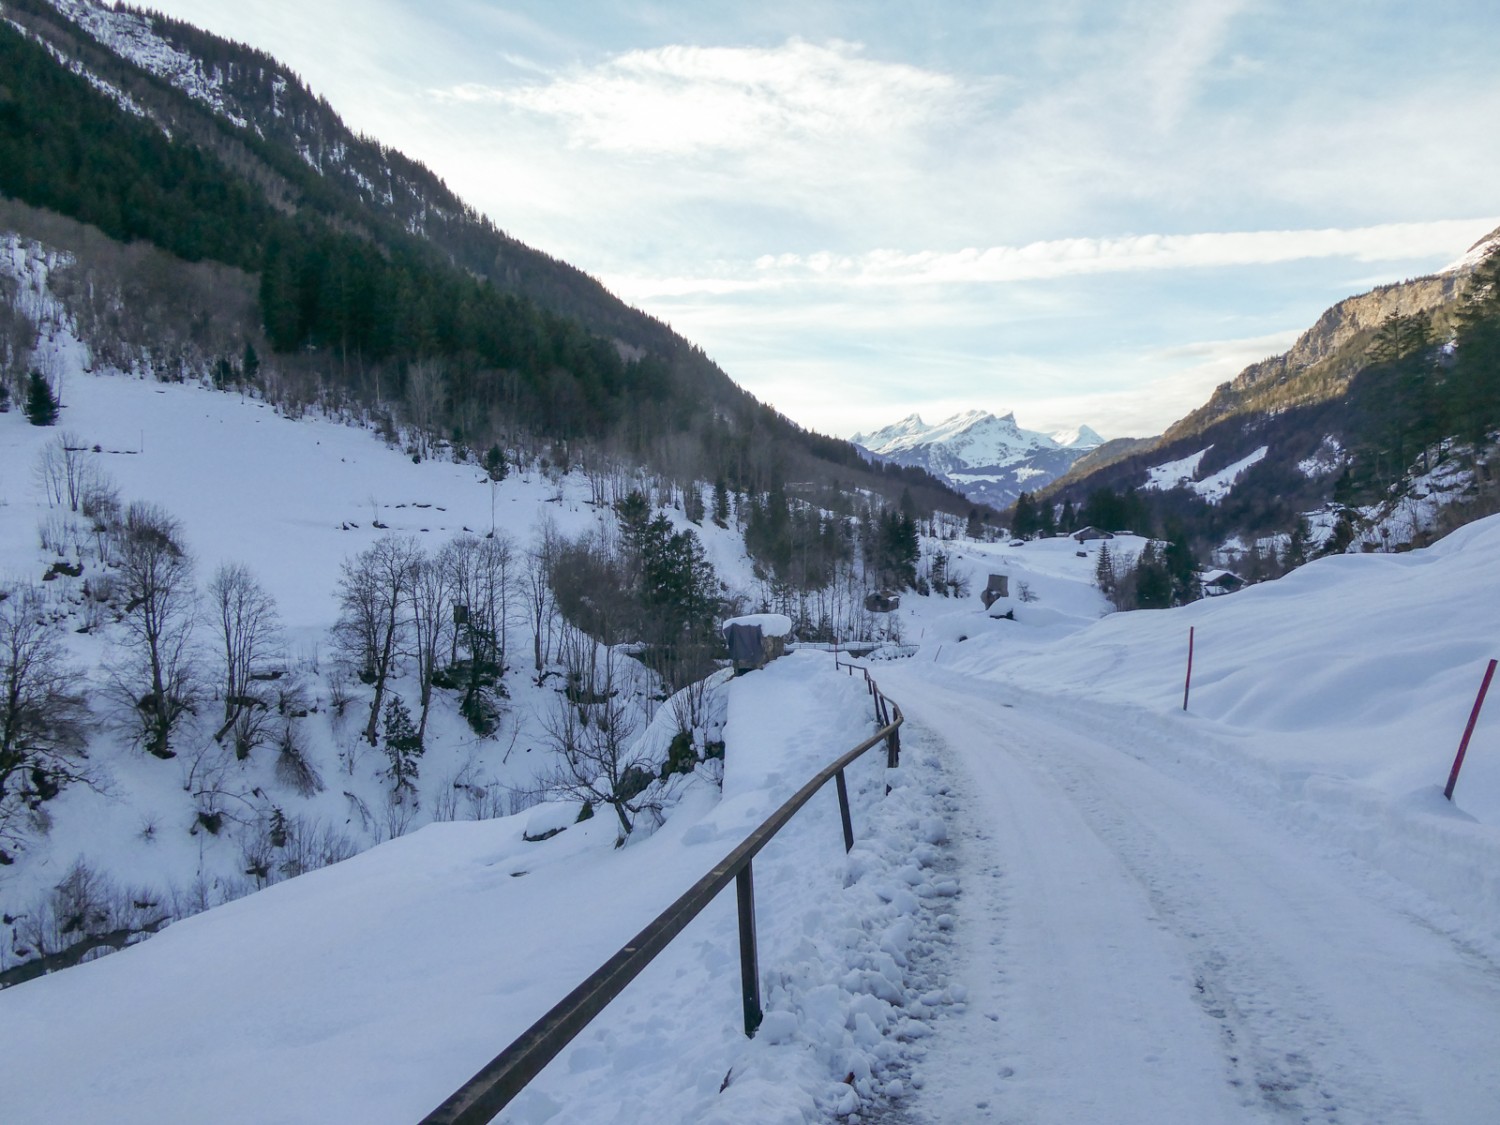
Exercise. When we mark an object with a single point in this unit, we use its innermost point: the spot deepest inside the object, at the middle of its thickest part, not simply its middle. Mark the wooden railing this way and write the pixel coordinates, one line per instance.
(482, 1097)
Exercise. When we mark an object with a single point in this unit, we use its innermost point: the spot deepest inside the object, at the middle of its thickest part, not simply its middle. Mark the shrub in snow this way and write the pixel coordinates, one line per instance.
(599, 759)
(292, 767)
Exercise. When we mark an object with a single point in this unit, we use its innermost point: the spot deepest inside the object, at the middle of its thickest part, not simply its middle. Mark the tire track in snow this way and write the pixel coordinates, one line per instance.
(1284, 1047)
(1277, 949)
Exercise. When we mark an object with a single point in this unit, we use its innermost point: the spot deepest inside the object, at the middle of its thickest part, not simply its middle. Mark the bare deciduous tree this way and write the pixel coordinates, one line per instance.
(248, 634)
(429, 595)
(67, 471)
(156, 578)
(372, 595)
(541, 606)
(425, 395)
(480, 576)
(598, 757)
(43, 719)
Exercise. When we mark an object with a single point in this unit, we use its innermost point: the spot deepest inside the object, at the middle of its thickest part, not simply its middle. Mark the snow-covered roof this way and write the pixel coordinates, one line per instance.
(771, 624)
(1212, 577)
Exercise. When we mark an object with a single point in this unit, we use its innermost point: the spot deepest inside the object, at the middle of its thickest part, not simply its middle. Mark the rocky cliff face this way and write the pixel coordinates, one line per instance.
(1318, 366)
(1349, 318)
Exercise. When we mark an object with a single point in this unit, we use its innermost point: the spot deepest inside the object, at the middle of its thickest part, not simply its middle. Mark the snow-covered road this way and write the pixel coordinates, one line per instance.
(1143, 942)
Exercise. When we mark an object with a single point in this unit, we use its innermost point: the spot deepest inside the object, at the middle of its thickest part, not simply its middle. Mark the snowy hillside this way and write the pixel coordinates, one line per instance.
(130, 36)
(292, 502)
(988, 458)
(1184, 473)
(373, 989)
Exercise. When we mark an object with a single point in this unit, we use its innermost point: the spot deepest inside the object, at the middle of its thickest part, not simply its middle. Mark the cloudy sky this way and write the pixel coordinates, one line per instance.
(1083, 210)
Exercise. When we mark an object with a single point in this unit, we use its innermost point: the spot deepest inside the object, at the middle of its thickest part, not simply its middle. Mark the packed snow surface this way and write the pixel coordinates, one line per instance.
(1257, 909)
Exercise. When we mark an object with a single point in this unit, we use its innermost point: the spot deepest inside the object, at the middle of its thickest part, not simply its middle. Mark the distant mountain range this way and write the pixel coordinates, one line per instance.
(987, 457)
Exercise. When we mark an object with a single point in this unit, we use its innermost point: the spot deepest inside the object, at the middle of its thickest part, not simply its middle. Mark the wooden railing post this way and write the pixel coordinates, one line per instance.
(844, 811)
(744, 890)
(494, 1085)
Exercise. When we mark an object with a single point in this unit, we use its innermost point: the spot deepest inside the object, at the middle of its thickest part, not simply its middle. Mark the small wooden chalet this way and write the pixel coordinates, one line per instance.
(1084, 534)
(1217, 582)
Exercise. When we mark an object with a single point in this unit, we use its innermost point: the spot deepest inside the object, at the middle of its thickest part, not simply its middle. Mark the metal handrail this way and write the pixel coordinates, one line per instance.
(483, 1096)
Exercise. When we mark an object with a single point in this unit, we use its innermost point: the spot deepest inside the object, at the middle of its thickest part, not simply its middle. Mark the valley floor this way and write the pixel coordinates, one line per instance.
(1145, 939)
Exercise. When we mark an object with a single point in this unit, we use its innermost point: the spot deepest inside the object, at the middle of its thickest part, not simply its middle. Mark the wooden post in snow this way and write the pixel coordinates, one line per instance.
(1187, 685)
(1463, 745)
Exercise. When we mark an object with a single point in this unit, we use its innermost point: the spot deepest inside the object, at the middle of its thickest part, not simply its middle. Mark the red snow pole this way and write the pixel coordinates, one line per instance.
(1463, 746)
(1187, 685)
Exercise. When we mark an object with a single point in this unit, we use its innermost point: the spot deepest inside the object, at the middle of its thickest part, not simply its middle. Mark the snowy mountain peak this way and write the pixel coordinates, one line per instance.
(1081, 438)
(909, 427)
(986, 456)
(1489, 244)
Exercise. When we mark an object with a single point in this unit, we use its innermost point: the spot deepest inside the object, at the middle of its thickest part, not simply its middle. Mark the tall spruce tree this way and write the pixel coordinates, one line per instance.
(41, 404)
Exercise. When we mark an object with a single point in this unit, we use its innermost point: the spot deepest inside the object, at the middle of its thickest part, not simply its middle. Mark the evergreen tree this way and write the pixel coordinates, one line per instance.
(403, 746)
(1024, 523)
(721, 502)
(494, 463)
(1296, 544)
(1104, 571)
(1475, 380)
(898, 551)
(1181, 568)
(1153, 583)
(250, 364)
(1046, 519)
(41, 405)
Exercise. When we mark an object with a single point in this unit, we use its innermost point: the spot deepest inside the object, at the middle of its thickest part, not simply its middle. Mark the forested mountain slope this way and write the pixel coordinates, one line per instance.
(1375, 430)
(373, 281)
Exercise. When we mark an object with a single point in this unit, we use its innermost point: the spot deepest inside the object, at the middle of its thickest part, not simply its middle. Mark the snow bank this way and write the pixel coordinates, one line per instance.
(373, 988)
(1335, 695)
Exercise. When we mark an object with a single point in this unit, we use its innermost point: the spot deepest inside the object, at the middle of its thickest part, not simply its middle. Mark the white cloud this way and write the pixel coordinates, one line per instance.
(1390, 242)
(1177, 62)
(684, 99)
(1166, 385)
